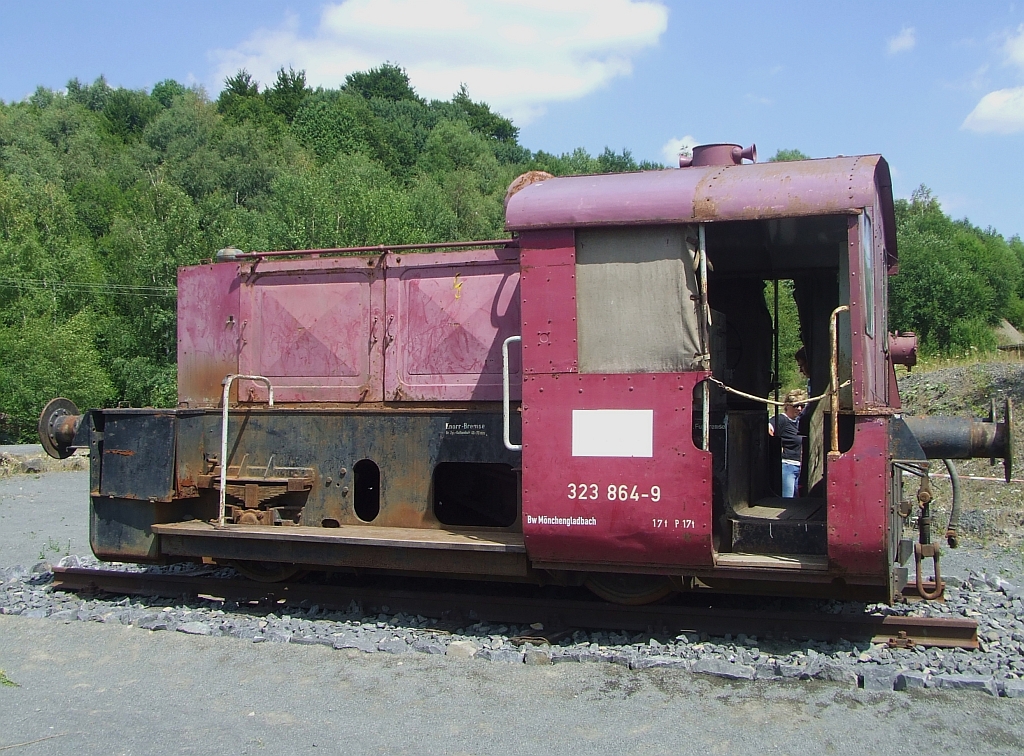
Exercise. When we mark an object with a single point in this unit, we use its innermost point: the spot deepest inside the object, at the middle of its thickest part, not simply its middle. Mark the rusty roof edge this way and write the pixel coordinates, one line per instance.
(683, 195)
(883, 180)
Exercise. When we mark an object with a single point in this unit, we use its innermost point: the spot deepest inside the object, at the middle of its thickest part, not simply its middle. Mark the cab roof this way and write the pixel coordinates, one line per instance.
(707, 194)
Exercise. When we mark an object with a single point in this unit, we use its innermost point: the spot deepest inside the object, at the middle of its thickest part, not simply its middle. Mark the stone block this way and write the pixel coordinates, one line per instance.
(837, 672)
(984, 683)
(502, 655)
(649, 662)
(462, 649)
(878, 677)
(424, 646)
(194, 628)
(358, 642)
(910, 680)
(537, 657)
(792, 671)
(393, 646)
(1013, 688)
(152, 622)
(722, 668)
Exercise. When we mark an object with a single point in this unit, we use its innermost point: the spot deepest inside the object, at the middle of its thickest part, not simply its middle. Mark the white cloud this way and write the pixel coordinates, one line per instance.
(903, 41)
(671, 149)
(1001, 112)
(516, 55)
(1015, 47)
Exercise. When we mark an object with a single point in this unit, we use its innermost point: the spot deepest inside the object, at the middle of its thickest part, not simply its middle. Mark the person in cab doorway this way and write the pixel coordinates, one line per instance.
(784, 426)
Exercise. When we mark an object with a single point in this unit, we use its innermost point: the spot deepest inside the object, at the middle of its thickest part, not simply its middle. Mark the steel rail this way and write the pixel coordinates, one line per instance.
(553, 613)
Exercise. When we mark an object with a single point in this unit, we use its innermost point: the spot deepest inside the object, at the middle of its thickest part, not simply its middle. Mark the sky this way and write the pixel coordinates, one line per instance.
(936, 87)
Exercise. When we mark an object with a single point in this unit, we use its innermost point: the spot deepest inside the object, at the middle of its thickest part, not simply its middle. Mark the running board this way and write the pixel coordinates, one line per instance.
(473, 552)
(803, 562)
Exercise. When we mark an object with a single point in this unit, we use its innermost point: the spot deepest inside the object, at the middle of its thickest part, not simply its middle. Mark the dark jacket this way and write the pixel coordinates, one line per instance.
(786, 431)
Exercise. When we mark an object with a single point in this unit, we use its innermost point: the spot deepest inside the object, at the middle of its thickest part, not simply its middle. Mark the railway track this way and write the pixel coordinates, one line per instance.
(559, 616)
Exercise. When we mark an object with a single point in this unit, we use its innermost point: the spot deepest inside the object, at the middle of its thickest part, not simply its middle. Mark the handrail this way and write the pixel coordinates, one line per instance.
(373, 248)
(706, 332)
(225, 398)
(834, 375)
(505, 391)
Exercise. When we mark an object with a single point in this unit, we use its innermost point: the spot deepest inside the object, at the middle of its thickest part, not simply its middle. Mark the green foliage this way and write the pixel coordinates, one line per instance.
(580, 161)
(785, 156)
(241, 102)
(286, 95)
(789, 334)
(93, 96)
(332, 123)
(388, 82)
(128, 111)
(47, 357)
(165, 91)
(105, 192)
(482, 120)
(6, 682)
(955, 280)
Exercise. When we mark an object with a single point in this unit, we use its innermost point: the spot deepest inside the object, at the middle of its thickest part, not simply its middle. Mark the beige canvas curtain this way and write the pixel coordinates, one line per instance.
(637, 300)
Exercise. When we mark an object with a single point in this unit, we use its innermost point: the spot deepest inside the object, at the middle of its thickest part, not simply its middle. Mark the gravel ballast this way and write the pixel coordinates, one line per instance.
(997, 668)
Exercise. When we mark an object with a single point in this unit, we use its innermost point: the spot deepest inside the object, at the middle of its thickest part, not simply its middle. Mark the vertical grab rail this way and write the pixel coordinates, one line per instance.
(225, 398)
(706, 332)
(505, 391)
(834, 376)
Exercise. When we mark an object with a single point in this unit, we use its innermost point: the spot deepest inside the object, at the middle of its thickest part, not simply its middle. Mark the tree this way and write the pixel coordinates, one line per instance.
(785, 156)
(128, 111)
(331, 123)
(240, 101)
(93, 96)
(609, 162)
(955, 280)
(387, 82)
(165, 91)
(482, 120)
(286, 95)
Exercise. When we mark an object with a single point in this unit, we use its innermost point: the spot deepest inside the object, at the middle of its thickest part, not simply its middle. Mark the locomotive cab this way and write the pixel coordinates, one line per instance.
(650, 358)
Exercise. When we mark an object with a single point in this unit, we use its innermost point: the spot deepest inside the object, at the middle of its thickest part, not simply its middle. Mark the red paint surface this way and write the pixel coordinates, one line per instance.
(712, 193)
(313, 328)
(415, 327)
(636, 531)
(858, 491)
(549, 309)
(447, 317)
(208, 328)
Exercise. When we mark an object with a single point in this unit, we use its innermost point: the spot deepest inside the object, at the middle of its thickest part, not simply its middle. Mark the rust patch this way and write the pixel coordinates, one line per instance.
(121, 452)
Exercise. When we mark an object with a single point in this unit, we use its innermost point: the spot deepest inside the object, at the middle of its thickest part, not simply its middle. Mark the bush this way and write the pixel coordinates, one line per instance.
(955, 281)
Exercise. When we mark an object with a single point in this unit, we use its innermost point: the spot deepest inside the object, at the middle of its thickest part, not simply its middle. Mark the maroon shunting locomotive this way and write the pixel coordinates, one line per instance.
(586, 402)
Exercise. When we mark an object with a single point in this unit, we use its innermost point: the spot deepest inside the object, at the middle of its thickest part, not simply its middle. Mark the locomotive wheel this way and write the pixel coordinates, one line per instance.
(267, 572)
(631, 590)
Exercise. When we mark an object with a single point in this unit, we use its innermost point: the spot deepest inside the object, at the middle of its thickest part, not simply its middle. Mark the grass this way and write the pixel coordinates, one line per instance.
(6, 682)
(54, 547)
(929, 362)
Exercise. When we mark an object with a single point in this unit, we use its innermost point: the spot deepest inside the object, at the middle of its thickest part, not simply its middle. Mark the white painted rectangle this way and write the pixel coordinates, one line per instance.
(613, 433)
